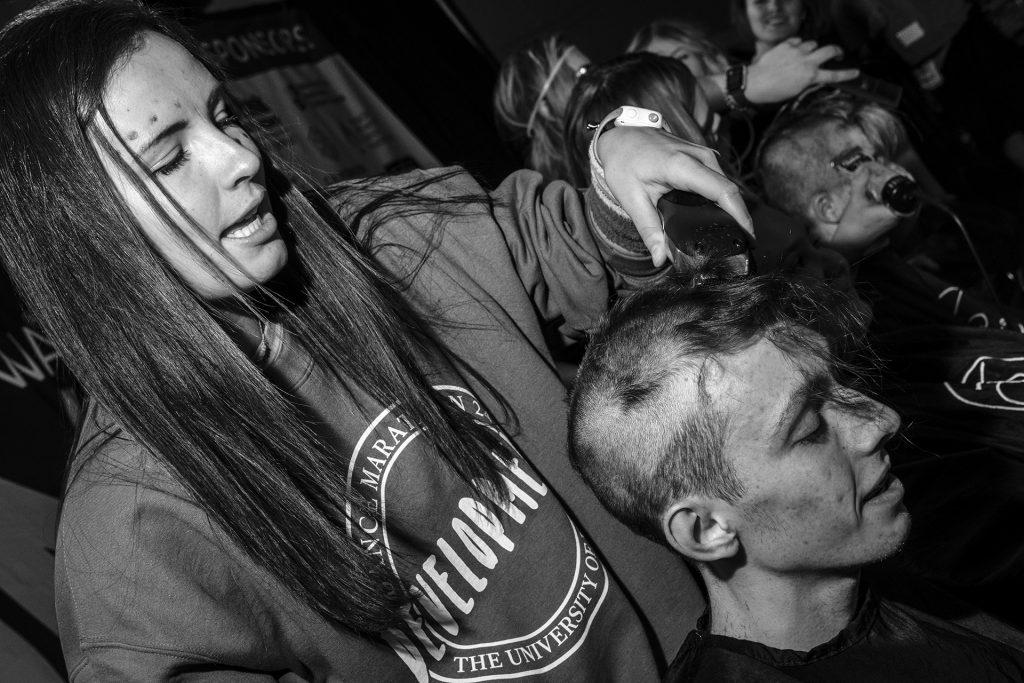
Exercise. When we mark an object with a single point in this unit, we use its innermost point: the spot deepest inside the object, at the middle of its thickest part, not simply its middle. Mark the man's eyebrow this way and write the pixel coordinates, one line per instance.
(812, 391)
(216, 96)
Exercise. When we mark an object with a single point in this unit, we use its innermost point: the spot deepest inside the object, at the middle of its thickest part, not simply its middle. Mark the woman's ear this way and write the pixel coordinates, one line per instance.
(701, 529)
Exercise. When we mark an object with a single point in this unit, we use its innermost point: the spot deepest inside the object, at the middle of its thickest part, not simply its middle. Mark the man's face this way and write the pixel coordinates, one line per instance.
(858, 173)
(818, 491)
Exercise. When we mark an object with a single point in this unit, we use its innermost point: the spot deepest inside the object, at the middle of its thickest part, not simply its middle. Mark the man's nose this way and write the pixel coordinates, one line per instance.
(869, 425)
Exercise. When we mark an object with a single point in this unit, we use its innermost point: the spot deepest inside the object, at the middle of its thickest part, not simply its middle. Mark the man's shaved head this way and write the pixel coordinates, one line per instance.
(643, 430)
(793, 161)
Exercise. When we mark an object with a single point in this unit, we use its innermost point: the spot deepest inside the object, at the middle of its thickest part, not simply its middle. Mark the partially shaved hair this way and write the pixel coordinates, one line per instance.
(793, 161)
(643, 430)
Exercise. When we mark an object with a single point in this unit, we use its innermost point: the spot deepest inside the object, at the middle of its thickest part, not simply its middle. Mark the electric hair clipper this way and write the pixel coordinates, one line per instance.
(698, 228)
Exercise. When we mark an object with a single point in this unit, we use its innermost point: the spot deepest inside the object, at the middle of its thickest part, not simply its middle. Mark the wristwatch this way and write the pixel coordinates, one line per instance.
(735, 82)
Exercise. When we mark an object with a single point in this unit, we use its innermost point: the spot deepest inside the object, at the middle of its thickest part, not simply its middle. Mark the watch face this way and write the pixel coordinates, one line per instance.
(734, 78)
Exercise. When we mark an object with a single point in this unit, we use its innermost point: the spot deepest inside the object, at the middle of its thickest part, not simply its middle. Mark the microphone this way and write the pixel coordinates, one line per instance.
(902, 195)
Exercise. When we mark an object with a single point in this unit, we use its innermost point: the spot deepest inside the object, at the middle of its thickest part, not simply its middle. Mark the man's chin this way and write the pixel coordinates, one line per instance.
(903, 523)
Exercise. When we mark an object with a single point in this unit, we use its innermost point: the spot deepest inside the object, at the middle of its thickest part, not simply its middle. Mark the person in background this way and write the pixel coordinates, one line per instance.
(530, 97)
(665, 85)
(748, 93)
(949, 351)
(828, 160)
(323, 436)
(640, 80)
(972, 73)
(534, 85)
(782, 72)
(763, 24)
(723, 421)
(681, 40)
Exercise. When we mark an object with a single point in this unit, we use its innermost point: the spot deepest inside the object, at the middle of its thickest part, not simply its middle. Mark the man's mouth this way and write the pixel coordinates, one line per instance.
(883, 484)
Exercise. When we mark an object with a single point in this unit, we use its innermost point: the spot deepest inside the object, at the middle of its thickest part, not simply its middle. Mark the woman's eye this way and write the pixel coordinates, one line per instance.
(226, 121)
(174, 164)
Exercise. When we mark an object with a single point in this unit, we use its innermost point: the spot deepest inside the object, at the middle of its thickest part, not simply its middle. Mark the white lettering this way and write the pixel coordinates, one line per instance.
(474, 581)
(431, 604)
(488, 523)
(441, 579)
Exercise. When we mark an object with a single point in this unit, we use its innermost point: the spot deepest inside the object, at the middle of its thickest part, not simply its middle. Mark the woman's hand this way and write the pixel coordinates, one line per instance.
(784, 71)
(642, 164)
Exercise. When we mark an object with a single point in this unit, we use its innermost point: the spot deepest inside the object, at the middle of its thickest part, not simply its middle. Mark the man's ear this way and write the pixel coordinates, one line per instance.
(825, 209)
(701, 528)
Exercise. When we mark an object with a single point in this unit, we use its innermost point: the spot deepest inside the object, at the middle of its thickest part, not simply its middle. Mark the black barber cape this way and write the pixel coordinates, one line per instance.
(884, 642)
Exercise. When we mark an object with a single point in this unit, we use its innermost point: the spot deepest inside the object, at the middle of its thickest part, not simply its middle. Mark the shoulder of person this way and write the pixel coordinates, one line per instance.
(701, 662)
(137, 562)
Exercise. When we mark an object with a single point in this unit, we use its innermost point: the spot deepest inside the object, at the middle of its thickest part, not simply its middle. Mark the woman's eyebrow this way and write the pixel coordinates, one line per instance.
(217, 95)
(165, 133)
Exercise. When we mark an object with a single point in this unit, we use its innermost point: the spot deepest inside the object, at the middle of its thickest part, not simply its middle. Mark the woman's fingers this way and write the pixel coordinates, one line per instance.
(823, 54)
(642, 209)
(641, 165)
(684, 172)
(825, 76)
(710, 184)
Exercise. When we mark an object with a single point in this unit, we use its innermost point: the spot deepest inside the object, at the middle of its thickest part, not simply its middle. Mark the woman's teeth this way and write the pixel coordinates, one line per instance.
(245, 230)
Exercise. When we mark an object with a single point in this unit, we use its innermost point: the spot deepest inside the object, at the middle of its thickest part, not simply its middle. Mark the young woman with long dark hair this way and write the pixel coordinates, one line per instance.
(324, 438)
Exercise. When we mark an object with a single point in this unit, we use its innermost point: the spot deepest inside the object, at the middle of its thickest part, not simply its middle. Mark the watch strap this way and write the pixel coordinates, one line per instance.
(735, 82)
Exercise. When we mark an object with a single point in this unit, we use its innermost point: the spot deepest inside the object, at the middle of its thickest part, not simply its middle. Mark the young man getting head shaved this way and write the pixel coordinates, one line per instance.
(724, 422)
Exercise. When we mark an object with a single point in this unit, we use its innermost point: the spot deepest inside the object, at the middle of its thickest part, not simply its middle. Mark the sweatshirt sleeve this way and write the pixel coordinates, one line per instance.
(620, 244)
(551, 243)
(444, 238)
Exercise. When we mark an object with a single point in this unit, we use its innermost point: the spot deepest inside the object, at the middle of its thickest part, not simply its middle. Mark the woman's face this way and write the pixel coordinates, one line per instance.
(694, 56)
(173, 116)
(773, 21)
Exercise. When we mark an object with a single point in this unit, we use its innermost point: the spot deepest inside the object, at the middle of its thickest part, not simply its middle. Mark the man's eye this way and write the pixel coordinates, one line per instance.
(818, 434)
(856, 162)
(851, 161)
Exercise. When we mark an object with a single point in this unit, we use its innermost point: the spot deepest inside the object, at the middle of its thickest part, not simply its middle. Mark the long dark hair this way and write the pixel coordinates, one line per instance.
(639, 79)
(157, 357)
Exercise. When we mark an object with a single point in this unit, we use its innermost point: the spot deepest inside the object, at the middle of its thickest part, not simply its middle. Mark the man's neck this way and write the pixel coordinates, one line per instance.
(784, 612)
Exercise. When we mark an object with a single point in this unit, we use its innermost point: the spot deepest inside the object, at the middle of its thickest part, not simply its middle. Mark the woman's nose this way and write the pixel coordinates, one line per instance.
(239, 159)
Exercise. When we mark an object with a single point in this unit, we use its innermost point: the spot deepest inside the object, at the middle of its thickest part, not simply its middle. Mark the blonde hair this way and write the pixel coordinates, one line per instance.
(530, 98)
(684, 33)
